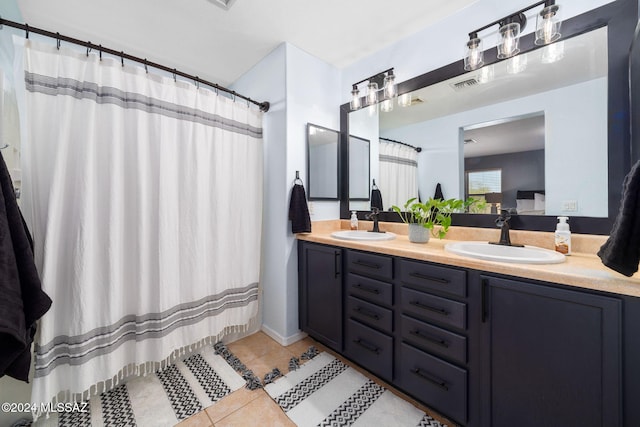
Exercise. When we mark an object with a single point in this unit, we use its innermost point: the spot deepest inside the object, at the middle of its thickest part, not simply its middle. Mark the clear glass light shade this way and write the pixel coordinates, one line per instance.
(552, 53)
(390, 88)
(548, 25)
(517, 64)
(485, 75)
(404, 100)
(355, 99)
(372, 93)
(474, 58)
(386, 105)
(509, 44)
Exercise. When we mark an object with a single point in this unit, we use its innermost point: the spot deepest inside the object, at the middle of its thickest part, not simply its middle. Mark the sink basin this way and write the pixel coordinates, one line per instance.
(486, 251)
(362, 235)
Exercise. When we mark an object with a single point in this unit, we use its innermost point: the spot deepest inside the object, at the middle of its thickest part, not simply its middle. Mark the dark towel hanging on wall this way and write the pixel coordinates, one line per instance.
(376, 197)
(22, 301)
(298, 209)
(621, 252)
(438, 194)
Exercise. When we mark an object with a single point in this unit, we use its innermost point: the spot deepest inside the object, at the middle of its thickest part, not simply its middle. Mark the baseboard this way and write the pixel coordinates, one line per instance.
(283, 341)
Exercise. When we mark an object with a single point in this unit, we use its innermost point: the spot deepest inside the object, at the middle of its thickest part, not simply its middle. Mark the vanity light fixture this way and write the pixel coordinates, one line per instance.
(510, 28)
(389, 90)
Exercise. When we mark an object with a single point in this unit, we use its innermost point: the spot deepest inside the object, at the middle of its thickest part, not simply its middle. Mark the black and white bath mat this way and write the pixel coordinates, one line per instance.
(161, 399)
(326, 392)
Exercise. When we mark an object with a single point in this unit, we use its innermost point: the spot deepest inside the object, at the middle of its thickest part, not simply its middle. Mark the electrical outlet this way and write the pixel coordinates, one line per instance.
(569, 206)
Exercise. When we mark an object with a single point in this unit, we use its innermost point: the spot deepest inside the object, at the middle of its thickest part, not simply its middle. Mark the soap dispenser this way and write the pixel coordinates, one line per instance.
(354, 220)
(563, 236)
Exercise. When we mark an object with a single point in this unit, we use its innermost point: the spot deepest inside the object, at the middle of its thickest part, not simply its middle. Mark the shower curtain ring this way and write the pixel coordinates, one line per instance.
(174, 76)
(146, 69)
(122, 57)
(26, 29)
(233, 93)
(197, 81)
(58, 41)
(88, 48)
(100, 49)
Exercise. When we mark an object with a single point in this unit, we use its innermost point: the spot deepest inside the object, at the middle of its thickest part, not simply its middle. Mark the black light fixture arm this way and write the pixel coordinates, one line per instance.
(510, 18)
(264, 106)
(390, 70)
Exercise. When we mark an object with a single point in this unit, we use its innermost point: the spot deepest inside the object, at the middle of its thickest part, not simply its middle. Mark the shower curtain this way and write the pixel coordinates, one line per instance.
(144, 196)
(398, 173)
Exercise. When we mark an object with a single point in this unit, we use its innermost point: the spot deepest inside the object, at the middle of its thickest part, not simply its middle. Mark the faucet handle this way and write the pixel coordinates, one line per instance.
(375, 210)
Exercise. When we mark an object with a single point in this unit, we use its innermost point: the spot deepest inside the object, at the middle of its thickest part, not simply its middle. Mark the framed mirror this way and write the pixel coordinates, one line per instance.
(323, 159)
(563, 114)
(359, 173)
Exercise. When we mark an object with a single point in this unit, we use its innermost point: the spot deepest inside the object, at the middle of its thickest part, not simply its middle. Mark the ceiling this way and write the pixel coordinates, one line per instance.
(201, 38)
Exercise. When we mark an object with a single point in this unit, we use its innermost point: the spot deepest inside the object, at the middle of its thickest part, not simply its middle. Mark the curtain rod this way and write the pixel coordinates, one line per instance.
(264, 106)
(418, 149)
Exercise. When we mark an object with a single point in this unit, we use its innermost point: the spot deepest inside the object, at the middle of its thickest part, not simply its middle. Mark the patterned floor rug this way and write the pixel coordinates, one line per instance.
(326, 392)
(162, 399)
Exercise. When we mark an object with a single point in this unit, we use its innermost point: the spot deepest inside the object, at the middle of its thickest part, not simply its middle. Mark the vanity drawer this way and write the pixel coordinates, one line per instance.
(369, 348)
(370, 264)
(431, 277)
(431, 307)
(436, 340)
(437, 383)
(370, 289)
(370, 314)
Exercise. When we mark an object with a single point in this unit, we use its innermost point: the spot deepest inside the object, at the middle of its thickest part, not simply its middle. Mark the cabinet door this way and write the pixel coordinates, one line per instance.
(320, 287)
(549, 356)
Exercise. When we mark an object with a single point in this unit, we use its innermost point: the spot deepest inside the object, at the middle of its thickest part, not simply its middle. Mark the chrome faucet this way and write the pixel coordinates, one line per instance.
(503, 222)
(373, 216)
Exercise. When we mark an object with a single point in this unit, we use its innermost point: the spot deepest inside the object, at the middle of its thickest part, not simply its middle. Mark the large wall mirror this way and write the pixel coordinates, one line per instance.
(323, 156)
(545, 133)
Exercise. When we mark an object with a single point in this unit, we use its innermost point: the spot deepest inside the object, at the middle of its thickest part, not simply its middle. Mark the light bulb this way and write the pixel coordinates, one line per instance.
(390, 89)
(372, 94)
(404, 100)
(474, 57)
(355, 99)
(548, 25)
(510, 39)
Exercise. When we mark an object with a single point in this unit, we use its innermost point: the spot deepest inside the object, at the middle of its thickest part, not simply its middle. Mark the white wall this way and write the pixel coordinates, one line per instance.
(302, 89)
(575, 134)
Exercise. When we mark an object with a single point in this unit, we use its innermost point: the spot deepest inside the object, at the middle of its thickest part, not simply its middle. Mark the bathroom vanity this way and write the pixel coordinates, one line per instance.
(483, 343)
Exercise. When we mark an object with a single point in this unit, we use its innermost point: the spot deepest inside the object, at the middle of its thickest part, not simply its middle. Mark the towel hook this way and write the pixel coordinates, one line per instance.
(297, 180)
(374, 186)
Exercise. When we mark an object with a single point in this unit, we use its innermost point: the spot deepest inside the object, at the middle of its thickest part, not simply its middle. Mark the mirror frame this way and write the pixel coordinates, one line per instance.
(368, 195)
(310, 195)
(620, 17)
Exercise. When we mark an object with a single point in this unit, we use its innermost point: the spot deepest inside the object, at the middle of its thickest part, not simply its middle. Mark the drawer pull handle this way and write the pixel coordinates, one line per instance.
(367, 264)
(440, 342)
(434, 380)
(427, 307)
(367, 289)
(367, 313)
(368, 347)
(425, 277)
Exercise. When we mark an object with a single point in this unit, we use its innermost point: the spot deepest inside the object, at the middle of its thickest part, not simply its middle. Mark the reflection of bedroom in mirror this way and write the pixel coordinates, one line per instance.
(504, 165)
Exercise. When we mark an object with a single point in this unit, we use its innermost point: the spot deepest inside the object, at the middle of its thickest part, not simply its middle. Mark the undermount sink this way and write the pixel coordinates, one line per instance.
(362, 235)
(500, 253)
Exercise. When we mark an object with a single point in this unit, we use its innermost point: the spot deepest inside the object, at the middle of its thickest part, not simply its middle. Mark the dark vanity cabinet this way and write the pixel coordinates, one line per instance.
(482, 349)
(549, 356)
(320, 293)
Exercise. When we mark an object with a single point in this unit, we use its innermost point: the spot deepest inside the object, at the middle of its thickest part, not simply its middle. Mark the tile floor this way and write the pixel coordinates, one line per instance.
(244, 407)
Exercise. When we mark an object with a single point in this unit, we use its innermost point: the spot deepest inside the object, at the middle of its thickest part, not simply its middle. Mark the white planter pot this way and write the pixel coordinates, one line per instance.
(418, 233)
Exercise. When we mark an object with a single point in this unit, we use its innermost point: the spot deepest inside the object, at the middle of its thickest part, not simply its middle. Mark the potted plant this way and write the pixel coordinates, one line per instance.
(424, 217)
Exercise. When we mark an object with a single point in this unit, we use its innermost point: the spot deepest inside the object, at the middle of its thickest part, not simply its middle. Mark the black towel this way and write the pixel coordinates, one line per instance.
(621, 252)
(376, 199)
(299, 211)
(438, 194)
(22, 301)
